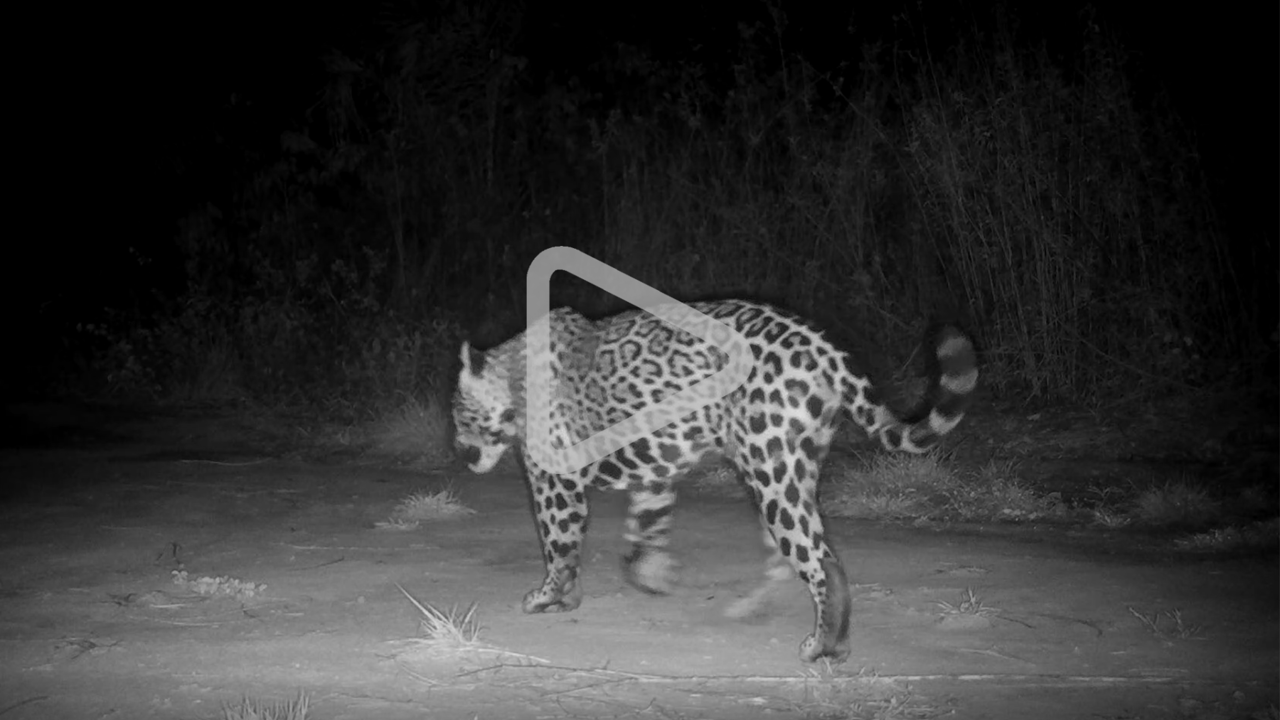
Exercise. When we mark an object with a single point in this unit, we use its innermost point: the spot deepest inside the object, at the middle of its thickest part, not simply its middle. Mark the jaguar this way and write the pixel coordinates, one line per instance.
(775, 429)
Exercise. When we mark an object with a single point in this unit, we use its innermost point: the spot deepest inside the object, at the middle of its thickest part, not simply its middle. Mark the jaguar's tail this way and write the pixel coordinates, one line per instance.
(953, 377)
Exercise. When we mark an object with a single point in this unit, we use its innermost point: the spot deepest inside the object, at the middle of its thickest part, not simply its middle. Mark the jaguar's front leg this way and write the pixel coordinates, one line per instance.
(560, 510)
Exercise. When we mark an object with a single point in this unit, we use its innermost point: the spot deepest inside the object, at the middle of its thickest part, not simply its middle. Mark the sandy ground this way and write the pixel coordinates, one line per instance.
(100, 512)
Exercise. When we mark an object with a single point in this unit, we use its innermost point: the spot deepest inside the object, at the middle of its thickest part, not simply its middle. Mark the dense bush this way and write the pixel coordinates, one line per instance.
(1032, 198)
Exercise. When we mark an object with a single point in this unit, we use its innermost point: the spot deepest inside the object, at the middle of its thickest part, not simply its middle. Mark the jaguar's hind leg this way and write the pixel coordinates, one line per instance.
(649, 566)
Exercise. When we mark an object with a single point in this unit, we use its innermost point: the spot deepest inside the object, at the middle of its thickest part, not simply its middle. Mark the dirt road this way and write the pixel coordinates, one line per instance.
(99, 516)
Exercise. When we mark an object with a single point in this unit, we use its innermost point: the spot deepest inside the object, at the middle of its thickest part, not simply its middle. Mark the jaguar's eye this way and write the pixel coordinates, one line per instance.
(509, 415)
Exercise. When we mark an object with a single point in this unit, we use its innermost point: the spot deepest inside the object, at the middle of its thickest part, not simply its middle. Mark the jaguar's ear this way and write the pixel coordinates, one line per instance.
(472, 359)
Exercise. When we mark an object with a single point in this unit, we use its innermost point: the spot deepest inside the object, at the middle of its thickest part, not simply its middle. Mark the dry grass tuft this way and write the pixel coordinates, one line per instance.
(454, 629)
(1181, 502)
(250, 709)
(424, 506)
(415, 431)
(1167, 625)
(970, 604)
(920, 488)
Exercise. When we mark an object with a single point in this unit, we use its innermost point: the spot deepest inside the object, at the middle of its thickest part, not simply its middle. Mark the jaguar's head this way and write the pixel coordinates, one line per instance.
(484, 411)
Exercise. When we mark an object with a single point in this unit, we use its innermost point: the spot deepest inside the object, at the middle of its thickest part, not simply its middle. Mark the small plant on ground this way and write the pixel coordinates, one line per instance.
(1110, 519)
(452, 629)
(1224, 522)
(221, 586)
(422, 506)
(1105, 496)
(889, 487)
(1167, 625)
(397, 524)
(454, 632)
(997, 493)
(1256, 536)
(1176, 503)
(918, 487)
(970, 604)
(417, 430)
(250, 709)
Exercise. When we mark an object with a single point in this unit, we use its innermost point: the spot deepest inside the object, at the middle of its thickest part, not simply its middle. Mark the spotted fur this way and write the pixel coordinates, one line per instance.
(776, 430)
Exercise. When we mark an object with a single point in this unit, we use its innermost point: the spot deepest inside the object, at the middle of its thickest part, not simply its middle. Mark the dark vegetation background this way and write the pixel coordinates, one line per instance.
(311, 206)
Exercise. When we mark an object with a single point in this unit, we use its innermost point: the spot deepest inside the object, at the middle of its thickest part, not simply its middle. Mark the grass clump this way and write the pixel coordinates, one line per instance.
(1258, 535)
(919, 487)
(970, 604)
(250, 709)
(455, 629)
(420, 506)
(453, 633)
(1184, 501)
(890, 487)
(1167, 624)
(1211, 520)
(415, 429)
(221, 586)
(1179, 502)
